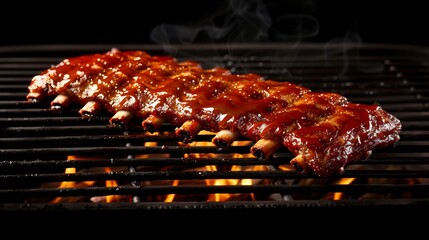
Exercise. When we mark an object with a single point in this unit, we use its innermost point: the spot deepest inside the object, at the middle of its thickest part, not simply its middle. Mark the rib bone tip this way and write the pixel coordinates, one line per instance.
(120, 118)
(299, 164)
(224, 138)
(90, 109)
(152, 123)
(265, 148)
(61, 101)
(189, 130)
(34, 97)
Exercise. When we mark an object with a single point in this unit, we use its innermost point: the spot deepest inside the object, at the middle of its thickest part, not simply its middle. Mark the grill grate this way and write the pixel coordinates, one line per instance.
(38, 145)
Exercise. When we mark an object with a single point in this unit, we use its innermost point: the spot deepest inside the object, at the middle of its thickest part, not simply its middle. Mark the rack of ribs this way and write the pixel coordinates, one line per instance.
(323, 130)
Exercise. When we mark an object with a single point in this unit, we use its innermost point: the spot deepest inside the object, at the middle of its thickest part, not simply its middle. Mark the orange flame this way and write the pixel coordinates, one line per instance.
(71, 184)
(219, 197)
(343, 181)
(111, 183)
(170, 197)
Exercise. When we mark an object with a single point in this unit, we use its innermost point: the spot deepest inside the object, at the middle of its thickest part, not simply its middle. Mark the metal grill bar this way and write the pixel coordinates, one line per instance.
(201, 175)
(269, 189)
(196, 162)
(115, 151)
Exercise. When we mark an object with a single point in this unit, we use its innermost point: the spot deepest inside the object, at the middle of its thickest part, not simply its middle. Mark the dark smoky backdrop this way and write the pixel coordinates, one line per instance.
(192, 21)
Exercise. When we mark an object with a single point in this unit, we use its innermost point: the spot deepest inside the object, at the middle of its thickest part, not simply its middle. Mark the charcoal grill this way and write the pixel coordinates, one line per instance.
(37, 143)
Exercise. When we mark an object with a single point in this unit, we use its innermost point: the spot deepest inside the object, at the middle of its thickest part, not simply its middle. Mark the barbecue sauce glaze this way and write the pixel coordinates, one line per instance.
(323, 129)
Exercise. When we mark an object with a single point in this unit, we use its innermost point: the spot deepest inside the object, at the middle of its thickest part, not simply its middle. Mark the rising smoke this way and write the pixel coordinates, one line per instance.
(245, 21)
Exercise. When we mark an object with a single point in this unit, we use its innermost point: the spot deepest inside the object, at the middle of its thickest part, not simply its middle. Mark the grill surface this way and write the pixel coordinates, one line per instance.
(39, 145)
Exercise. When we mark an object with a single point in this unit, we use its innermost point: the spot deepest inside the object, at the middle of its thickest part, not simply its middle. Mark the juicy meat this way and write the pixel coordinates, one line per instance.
(323, 130)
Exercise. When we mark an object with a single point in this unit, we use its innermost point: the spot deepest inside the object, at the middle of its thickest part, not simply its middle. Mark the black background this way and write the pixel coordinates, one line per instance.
(88, 22)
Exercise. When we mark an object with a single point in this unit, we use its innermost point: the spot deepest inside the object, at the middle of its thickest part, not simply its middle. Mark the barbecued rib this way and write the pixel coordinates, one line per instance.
(323, 130)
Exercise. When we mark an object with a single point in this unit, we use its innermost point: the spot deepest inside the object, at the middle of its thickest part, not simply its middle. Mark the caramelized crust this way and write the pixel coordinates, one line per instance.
(323, 130)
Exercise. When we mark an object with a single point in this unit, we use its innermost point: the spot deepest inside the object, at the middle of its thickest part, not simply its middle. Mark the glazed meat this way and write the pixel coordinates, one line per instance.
(323, 130)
